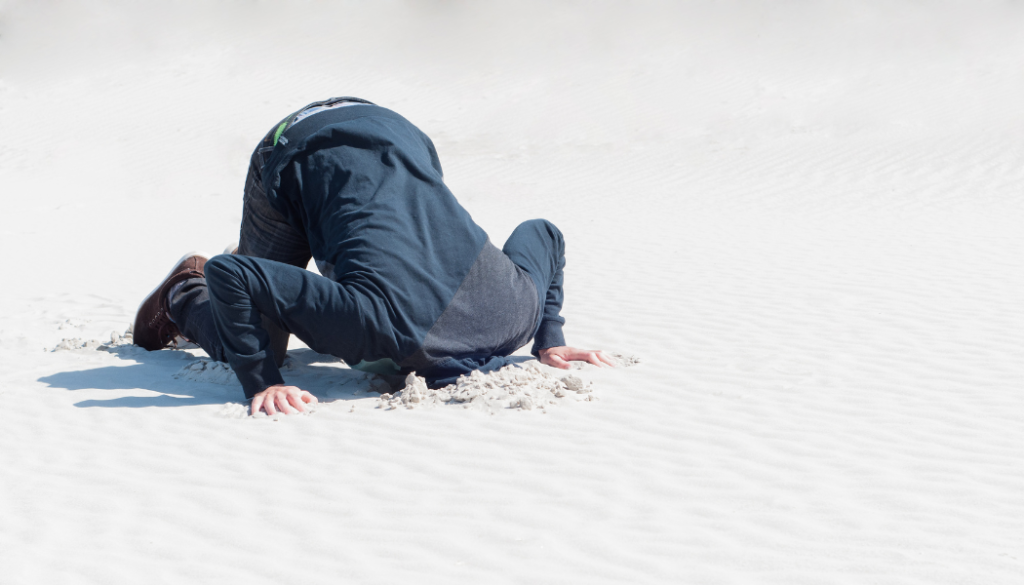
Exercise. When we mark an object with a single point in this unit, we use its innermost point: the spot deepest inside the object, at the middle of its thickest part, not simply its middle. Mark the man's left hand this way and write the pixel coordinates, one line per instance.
(559, 357)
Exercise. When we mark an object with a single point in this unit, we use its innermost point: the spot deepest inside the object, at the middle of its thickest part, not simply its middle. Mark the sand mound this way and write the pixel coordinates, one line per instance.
(512, 387)
(77, 343)
(623, 360)
(72, 343)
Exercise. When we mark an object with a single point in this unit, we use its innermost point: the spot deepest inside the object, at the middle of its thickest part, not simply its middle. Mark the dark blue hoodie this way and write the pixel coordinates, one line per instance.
(366, 187)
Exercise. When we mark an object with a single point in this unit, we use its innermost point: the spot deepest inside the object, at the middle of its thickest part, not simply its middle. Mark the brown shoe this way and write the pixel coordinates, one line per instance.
(153, 327)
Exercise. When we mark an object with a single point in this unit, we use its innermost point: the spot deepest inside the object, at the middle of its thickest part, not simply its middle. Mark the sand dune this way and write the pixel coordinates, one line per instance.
(804, 219)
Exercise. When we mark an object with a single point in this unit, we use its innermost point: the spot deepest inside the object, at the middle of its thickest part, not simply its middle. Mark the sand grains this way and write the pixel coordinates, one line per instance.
(512, 387)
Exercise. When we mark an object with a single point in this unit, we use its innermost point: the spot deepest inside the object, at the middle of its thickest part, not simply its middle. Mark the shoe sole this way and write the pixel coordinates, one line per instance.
(164, 279)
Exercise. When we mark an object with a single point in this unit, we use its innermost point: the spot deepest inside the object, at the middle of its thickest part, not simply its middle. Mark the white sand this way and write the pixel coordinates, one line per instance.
(511, 387)
(805, 219)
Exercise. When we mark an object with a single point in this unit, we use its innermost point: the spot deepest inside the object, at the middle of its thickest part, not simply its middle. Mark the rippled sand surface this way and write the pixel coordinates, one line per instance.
(804, 220)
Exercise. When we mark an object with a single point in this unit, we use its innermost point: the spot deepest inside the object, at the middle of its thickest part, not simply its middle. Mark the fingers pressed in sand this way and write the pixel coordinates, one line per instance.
(257, 402)
(558, 362)
(282, 403)
(295, 399)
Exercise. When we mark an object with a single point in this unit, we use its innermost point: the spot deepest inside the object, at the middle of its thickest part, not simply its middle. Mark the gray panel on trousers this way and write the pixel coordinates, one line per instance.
(494, 312)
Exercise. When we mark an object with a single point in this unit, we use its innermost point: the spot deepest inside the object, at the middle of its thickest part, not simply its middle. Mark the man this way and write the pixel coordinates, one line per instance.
(409, 282)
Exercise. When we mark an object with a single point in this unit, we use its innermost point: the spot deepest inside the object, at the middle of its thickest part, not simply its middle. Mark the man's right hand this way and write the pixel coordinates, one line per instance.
(281, 398)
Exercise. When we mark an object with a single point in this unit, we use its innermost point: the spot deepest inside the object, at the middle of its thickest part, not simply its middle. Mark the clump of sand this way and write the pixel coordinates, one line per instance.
(624, 360)
(71, 343)
(523, 388)
(72, 324)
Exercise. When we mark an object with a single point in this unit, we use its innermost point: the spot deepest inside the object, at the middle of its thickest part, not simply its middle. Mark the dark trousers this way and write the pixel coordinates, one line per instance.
(264, 233)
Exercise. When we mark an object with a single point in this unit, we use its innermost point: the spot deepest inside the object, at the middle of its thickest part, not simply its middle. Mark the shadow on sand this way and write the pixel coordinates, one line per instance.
(155, 371)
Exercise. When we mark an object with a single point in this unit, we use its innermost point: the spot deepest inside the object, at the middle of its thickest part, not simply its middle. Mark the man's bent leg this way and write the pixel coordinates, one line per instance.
(265, 233)
(245, 291)
(538, 247)
(189, 305)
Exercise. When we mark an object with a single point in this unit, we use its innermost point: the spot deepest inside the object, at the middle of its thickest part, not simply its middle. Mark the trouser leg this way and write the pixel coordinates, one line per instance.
(264, 233)
(538, 247)
(190, 309)
(245, 291)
